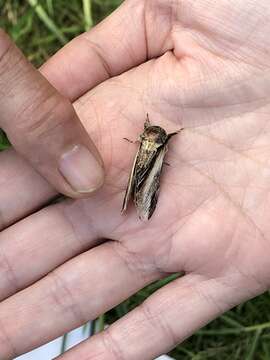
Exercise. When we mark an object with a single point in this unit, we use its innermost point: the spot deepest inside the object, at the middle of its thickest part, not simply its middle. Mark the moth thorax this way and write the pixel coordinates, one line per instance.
(155, 134)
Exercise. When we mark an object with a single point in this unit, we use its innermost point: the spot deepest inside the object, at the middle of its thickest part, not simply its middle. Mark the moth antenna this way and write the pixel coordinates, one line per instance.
(174, 133)
(147, 122)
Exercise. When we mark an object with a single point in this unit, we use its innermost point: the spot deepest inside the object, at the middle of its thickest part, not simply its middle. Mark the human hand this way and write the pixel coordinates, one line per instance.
(202, 65)
(43, 126)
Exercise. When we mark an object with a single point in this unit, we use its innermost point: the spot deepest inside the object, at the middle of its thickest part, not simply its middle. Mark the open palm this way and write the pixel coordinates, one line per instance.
(199, 65)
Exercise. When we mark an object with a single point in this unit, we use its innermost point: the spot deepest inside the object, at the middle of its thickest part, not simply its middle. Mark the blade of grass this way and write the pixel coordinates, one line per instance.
(121, 309)
(231, 321)
(266, 351)
(100, 324)
(3, 147)
(254, 344)
(47, 21)
(64, 343)
(87, 328)
(4, 143)
(23, 26)
(50, 7)
(190, 354)
(239, 330)
(50, 38)
(92, 328)
(87, 10)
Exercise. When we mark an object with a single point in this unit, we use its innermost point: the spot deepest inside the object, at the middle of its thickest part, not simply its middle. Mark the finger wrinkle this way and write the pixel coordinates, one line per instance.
(7, 269)
(81, 224)
(147, 53)
(97, 50)
(3, 220)
(6, 344)
(112, 346)
(157, 322)
(13, 74)
(44, 121)
(6, 47)
(133, 263)
(12, 69)
(202, 290)
(63, 298)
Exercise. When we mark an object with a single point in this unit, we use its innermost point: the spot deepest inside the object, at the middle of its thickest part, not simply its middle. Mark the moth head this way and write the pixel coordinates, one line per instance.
(154, 134)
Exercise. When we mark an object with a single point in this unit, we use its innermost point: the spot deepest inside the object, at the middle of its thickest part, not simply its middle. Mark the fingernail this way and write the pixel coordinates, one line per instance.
(81, 169)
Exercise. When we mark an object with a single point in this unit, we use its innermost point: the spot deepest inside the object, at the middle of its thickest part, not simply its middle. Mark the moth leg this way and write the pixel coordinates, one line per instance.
(174, 133)
(130, 141)
(147, 122)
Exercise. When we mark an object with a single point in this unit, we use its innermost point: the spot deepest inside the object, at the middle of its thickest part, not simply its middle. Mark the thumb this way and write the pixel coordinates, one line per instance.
(43, 126)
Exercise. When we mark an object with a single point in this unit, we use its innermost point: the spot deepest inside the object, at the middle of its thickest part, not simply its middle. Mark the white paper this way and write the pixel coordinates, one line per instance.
(53, 349)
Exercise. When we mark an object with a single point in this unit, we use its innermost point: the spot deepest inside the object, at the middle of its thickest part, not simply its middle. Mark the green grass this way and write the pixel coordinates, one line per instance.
(40, 29)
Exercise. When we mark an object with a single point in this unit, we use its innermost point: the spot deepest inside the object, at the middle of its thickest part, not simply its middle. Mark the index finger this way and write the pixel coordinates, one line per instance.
(42, 126)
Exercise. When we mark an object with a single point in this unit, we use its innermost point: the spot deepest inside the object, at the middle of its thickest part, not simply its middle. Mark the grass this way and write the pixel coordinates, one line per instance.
(40, 28)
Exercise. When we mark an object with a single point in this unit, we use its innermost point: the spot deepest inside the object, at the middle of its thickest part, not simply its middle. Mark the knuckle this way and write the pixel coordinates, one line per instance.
(133, 262)
(3, 221)
(157, 321)
(111, 345)
(63, 298)
(5, 44)
(6, 51)
(7, 344)
(7, 269)
(44, 117)
(12, 69)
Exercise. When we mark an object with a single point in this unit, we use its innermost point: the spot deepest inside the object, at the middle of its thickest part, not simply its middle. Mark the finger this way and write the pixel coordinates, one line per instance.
(165, 319)
(43, 126)
(23, 189)
(122, 41)
(79, 290)
(63, 231)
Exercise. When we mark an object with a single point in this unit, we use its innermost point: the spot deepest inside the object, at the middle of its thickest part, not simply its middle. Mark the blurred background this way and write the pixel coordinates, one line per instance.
(40, 28)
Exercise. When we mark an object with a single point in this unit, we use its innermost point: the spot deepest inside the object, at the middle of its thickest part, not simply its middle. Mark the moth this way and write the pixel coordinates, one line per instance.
(144, 179)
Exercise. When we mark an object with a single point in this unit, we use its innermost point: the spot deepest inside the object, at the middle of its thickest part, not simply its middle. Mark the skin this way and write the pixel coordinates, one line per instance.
(199, 65)
(43, 126)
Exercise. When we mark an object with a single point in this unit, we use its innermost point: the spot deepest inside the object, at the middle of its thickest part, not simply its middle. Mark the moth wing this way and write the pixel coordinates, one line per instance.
(130, 186)
(146, 196)
(142, 169)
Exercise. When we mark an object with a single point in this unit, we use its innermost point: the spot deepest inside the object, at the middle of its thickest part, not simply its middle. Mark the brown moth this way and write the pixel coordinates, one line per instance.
(144, 179)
